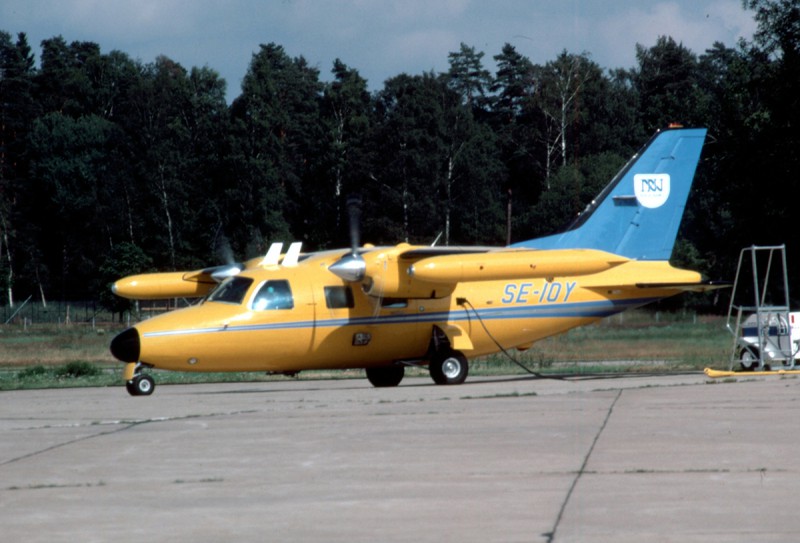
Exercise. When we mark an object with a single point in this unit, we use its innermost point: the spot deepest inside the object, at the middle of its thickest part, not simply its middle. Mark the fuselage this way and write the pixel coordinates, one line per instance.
(289, 319)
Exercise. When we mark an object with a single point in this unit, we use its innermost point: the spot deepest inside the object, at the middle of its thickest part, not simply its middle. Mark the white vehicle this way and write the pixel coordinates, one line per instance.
(769, 341)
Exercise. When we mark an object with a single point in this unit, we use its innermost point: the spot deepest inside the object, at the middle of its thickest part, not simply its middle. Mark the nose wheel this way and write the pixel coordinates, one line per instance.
(140, 384)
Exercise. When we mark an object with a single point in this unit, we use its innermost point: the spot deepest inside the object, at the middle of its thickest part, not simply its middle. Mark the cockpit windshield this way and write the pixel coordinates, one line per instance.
(231, 290)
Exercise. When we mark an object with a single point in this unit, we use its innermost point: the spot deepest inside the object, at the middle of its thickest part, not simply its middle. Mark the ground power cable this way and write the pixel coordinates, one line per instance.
(568, 378)
(468, 306)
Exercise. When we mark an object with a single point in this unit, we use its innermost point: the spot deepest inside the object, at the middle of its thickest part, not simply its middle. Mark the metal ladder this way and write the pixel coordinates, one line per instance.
(767, 298)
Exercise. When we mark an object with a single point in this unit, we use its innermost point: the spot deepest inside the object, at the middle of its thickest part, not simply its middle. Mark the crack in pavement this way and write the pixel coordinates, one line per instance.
(126, 425)
(550, 536)
(67, 443)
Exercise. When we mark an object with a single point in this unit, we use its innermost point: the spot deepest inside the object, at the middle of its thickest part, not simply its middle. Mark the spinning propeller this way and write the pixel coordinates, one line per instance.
(230, 268)
(352, 267)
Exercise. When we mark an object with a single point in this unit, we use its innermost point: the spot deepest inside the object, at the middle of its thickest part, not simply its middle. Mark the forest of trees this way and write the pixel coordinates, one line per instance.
(109, 165)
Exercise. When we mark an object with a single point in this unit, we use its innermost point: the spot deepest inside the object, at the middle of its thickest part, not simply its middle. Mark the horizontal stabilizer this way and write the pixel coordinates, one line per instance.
(704, 286)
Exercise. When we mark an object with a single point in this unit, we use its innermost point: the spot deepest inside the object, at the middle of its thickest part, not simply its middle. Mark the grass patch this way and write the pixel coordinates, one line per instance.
(52, 345)
(77, 369)
(71, 374)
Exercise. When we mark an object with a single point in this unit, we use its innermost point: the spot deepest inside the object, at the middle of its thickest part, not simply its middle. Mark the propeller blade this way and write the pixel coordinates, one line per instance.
(218, 273)
(224, 251)
(354, 211)
(352, 267)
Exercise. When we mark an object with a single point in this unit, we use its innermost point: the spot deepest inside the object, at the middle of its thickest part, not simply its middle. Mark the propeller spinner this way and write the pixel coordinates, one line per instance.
(352, 267)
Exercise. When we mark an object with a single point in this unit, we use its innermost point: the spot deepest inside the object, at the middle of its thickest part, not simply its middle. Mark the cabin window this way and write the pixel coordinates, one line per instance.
(274, 295)
(339, 297)
(231, 290)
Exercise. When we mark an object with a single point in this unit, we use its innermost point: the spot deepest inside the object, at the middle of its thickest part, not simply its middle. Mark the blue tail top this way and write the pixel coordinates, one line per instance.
(638, 214)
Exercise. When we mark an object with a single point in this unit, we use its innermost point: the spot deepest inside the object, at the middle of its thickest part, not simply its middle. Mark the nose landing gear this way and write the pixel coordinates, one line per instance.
(138, 383)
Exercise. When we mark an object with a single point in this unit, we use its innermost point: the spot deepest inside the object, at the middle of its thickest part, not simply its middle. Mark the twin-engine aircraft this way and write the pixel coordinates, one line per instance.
(386, 308)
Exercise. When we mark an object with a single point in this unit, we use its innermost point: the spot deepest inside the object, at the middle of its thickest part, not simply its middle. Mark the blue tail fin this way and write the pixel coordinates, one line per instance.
(638, 214)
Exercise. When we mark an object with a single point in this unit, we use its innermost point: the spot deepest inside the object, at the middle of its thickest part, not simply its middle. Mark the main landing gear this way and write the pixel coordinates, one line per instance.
(388, 376)
(449, 367)
(138, 383)
(446, 365)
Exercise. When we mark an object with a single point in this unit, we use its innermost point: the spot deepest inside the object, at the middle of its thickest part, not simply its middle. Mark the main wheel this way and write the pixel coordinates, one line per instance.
(141, 385)
(388, 376)
(449, 368)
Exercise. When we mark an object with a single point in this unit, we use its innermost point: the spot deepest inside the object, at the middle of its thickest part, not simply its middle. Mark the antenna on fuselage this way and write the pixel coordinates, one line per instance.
(273, 255)
(292, 255)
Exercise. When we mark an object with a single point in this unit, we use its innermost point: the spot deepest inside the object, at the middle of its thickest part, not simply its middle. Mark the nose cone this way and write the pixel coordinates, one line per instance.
(126, 346)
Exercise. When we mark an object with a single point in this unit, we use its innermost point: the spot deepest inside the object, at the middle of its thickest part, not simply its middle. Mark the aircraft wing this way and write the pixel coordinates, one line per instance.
(179, 284)
(431, 272)
(428, 272)
(513, 264)
(198, 283)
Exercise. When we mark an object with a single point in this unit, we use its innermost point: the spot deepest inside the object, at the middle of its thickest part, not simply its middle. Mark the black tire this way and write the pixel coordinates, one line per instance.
(141, 385)
(387, 376)
(130, 388)
(449, 368)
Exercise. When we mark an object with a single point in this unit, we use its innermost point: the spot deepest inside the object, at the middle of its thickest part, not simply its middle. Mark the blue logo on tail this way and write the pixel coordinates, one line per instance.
(651, 189)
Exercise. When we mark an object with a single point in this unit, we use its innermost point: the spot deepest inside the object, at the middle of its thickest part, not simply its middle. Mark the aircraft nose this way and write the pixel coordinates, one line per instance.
(126, 346)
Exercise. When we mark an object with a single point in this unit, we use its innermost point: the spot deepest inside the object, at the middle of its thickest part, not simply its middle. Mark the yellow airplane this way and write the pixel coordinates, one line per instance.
(386, 308)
